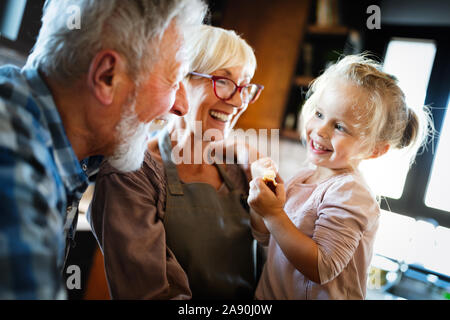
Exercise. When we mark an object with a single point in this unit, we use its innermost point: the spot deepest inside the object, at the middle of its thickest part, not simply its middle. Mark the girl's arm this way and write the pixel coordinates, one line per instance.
(298, 248)
(257, 222)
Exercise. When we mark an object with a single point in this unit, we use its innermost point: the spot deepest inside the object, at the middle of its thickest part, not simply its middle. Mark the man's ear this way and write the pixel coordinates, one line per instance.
(379, 150)
(106, 67)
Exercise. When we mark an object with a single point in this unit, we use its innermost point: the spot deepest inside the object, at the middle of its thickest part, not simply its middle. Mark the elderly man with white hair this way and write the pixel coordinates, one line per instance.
(84, 95)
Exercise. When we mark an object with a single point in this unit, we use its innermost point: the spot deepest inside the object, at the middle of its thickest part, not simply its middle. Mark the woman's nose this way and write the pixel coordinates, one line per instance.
(237, 100)
(181, 104)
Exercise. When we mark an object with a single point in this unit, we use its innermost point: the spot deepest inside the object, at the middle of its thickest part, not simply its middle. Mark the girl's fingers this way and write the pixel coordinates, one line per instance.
(279, 189)
(278, 179)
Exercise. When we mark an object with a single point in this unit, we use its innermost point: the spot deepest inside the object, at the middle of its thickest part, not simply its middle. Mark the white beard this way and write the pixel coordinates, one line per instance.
(130, 151)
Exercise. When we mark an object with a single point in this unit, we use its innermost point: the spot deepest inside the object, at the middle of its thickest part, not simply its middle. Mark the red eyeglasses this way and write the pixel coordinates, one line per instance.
(225, 88)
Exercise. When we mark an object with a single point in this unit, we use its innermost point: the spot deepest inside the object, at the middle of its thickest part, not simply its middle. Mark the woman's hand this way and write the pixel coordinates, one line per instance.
(263, 201)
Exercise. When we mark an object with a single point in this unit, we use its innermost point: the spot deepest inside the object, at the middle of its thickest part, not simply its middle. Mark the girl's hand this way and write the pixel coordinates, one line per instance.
(263, 201)
(297, 247)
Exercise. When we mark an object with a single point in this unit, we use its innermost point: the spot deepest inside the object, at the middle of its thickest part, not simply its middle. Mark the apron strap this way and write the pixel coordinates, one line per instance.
(225, 177)
(165, 148)
(175, 188)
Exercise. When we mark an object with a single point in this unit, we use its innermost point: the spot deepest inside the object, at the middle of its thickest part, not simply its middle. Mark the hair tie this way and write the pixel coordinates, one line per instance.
(408, 112)
(406, 138)
(392, 77)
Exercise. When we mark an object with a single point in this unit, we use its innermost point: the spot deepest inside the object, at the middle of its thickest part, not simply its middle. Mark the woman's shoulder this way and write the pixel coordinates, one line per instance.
(150, 174)
(237, 174)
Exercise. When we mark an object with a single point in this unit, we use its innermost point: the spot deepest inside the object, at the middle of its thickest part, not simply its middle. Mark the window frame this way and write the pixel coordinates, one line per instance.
(412, 201)
(29, 28)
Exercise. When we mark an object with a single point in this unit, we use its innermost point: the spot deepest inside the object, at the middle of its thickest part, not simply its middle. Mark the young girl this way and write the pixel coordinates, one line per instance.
(320, 231)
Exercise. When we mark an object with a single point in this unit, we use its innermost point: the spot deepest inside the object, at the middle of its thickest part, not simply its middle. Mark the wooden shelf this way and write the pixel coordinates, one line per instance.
(290, 134)
(328, 30)
(303, 81)
(277, 51)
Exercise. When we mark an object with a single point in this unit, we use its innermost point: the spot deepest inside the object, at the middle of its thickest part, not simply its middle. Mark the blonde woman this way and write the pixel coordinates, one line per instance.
(180, 230)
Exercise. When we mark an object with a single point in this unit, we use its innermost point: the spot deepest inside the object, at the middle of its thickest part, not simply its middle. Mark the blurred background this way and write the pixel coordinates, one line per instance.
(294, 41)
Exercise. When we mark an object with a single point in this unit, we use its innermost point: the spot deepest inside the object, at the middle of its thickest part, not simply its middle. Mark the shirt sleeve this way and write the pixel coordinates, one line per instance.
(347, 210)
(133, 240)
(31, 241)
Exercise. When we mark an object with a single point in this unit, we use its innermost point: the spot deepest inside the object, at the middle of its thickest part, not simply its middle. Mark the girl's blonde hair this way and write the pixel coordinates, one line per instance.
(385, 118)
(213, 48)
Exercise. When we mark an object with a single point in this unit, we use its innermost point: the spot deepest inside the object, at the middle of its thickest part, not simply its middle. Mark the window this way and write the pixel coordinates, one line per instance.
(11, 18)
(20, 21)
(401, 60)
(413, 242)
(437, 195)
(415, 221)
(419, 58)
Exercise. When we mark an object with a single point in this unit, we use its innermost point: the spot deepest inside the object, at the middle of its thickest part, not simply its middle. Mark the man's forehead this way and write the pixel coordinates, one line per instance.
(181, 62)
(172, 38)
(172, 51)
(182, 55)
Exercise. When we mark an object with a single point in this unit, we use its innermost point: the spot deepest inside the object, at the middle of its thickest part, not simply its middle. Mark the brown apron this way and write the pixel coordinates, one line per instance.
(209, 234)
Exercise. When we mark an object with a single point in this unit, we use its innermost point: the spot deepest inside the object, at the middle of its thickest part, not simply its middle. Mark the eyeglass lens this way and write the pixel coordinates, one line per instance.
(226, 88)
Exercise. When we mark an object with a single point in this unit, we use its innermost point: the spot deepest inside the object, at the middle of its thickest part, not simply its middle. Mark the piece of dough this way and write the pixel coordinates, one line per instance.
(268, 174)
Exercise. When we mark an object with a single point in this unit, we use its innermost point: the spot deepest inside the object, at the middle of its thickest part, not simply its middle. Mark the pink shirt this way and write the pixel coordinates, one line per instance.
(341, 215)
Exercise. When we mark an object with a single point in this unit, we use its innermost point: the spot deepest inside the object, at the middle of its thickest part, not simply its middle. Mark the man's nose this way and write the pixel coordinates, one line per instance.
(181, 104)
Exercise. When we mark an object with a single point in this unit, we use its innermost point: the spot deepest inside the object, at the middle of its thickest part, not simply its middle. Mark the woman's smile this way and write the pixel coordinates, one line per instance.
(220, 115)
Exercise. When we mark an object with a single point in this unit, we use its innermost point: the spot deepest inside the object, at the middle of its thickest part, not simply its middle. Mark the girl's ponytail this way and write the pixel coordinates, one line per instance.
(410, 134)
(419, 127)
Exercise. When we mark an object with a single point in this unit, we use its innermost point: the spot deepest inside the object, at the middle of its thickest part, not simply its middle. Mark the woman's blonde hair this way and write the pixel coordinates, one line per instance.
(212, 48)
(385, 118)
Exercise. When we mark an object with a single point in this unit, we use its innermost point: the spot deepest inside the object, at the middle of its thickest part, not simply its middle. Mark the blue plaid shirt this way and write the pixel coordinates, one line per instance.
(41, 183)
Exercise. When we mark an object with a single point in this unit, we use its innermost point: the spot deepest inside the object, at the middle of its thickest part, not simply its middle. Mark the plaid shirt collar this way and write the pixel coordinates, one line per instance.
(74, 174)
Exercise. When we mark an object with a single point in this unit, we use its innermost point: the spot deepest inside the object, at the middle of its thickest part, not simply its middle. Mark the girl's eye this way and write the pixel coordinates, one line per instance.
(340, 127)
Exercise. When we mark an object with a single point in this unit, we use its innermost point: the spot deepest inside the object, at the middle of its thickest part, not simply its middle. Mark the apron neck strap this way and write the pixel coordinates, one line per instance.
(174, 183)
(165, 148)
(224, 175)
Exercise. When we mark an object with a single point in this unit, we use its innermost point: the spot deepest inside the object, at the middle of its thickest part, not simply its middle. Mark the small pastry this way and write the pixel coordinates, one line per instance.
(268, 174)
(269, 179)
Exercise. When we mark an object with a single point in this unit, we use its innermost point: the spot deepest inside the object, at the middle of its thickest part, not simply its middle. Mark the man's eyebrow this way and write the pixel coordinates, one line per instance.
(181, 66)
